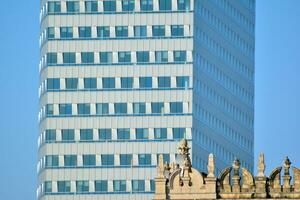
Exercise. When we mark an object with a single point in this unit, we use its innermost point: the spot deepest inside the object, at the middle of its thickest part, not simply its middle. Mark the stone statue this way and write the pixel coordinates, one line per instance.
(261, 165)
(211, 166)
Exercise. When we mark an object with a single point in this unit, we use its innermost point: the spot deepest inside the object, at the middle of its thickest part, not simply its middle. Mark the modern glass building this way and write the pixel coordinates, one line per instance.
(122, 81)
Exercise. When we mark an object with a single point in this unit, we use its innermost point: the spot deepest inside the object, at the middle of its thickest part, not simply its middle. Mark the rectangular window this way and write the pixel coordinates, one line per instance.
(164, 82)
(69, 58)
(140, 31)
(125, 159)
(51, 161)
(177, 30)
(138, 185)
(82, 186)
(178, 133)
(183, 4)
(53, 83)
(102, 109)
(142, 56)
(48, 187)
(144, 159)
(161, 56)
(160, 133)
(89, 160)
(51, 58)
(152, 185)
(71, 83)
(108, 83)
(90, 83)
(72, 6)
(146, 5)
(126, 82)
(85, 32)
(68, 135)
(63, 186)
(105, 57)
(50, 33)
(158, 31)
(91, 6)
(87, 57)
(50, 135)
(104, 134)
(83, 109)
(166, 157)
(86, 134)
(157, 107)
(124, 57)
(54, 7)
(142, 134)
(121, 31)
(127, 5)
(109, 6)
(139, 108)
(65, 109)
(182, 82)
(165, 5)
(66, 32)
(120, 108)
(179, 56)
(145, 82)
(119, 185)
(107, 159)
(103, 31)
(49, 110)
(123, 134)
(176, 107)
(70, 160)
(101, 186)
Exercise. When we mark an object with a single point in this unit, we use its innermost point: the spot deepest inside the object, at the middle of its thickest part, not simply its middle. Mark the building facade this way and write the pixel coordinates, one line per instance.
(122, 81)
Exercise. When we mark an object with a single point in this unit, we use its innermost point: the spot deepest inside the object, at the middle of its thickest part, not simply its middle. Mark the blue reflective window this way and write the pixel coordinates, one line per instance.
(89, 160)
(90, 83)
(101, 186)
(87, 57)
(48, 187)
(107, 159)
(109, 6)
(165, 4)
(157, 107)
(50, 135)
(120, 108)
(50, 33)
(82, 186)
(104, 134)
(119, 185)
(166, 157)
(49, 109)
(70, 160)
(139, 108)
(105, 57)
(152, 185)
(127, 5)
(146, 5)
(177, 30)
(182, 81)
(127, 82)
(85, 32)
(142, 133)
(69, 58)
(66, 32)
(161, 56)
(144, 159)
(123, 134)
(91, 6)
(65, 109)
(83, 109)
(179, 56)
(54, 7)
(138, 185)
(108, 83)
(124, 57)
(71, 83)
(72, 6)
(183, 4)
(86, 134)
(125, 159)
(142, 56)
(176, 107)
(51, 58)
(164, 82)
(102, 109)
(140, 31)
(178, 133)
(63, 186)
(158, 31)
(145, 82)
(51, 161)
(103, 31)
(121, 31)
(67, 135)
(160, 133)
(53, 83)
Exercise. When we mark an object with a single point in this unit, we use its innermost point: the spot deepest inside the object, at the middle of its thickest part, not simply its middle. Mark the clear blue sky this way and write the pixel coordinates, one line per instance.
(277, 122)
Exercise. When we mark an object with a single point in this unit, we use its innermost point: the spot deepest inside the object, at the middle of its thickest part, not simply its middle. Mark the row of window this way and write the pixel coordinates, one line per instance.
(97, 186)
(71, 58)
